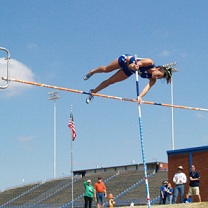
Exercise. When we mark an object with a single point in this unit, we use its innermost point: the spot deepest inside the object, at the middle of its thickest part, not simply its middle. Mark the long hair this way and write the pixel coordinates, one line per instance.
(167, 73)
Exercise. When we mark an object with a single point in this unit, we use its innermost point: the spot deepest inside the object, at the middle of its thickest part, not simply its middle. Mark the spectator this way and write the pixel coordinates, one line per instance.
(169, 193)
(187, 199)
(89, 192)
(163, 190)
(100, 192)
(194, 183)
(179, 179)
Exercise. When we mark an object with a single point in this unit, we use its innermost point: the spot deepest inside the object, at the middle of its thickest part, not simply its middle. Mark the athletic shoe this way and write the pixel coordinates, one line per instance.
(87, 76)
(90, 97)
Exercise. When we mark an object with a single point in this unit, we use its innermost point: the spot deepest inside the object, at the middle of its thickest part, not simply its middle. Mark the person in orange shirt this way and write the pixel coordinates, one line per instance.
(100, 192)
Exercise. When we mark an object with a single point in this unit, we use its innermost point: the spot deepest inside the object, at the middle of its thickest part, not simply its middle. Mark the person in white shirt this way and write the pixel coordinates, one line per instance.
(179, 179)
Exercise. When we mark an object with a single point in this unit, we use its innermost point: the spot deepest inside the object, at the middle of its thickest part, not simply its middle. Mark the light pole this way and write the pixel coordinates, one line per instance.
(53, 96)
(172, 117)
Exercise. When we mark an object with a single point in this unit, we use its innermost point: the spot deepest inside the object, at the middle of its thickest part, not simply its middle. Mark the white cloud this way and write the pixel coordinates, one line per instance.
(17, 70)
(165, 53)
(161, 33)
(24, 139)
(200, 115)
(25, 142)
(168, 53)
(32, 46)
(183, 55)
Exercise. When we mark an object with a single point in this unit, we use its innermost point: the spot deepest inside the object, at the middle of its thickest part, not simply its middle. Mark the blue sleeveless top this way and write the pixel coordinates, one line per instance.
(142, 70)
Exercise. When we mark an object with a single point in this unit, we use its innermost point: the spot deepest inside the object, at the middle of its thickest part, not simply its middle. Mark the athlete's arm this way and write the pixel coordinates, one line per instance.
(142, 63)
(146, 89)
(146, 62)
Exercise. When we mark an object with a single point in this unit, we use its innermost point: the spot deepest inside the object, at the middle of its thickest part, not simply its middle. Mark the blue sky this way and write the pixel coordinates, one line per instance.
(57, 42)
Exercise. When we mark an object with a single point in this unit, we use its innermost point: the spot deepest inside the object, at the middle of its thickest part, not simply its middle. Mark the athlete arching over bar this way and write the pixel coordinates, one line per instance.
(126, 65)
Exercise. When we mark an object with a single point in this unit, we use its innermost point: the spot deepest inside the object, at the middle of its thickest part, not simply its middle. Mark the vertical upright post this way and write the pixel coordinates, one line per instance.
(54, 133)
(72, 178)
(141, 138)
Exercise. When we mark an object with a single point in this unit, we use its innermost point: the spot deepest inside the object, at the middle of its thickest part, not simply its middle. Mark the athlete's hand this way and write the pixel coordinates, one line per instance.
(139, 100)
(136, 67)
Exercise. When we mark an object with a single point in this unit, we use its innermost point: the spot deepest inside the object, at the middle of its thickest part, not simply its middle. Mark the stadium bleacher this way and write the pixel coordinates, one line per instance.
(126, 186)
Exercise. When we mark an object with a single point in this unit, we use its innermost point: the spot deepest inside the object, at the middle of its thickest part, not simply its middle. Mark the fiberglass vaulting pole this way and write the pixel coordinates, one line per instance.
(141, 138)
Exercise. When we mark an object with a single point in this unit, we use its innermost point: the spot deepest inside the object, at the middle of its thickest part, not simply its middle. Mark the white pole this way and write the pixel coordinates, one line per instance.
(54, 159)
(172, 116)
(142, 139)
(54, 96)
(72, 178)
(72, 174)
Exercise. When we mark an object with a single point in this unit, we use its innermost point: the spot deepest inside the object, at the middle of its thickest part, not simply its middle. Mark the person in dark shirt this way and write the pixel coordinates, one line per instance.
(163, 192)
(194, 183)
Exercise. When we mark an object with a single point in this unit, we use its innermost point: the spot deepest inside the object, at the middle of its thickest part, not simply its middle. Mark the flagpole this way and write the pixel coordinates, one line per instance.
(72, 178)
(73, 135)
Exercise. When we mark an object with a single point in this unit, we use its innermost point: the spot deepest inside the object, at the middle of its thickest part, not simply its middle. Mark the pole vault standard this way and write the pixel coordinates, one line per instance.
(141, 138)
(7, 69)
(102, 95)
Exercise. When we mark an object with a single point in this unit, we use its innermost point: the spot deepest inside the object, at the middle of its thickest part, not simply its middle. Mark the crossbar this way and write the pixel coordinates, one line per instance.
(102, 95)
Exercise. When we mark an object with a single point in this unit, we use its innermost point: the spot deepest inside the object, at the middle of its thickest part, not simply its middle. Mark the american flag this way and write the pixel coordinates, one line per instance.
(72, 127)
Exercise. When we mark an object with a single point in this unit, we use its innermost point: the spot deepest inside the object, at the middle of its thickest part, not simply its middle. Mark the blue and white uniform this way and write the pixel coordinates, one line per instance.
(142, 70)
